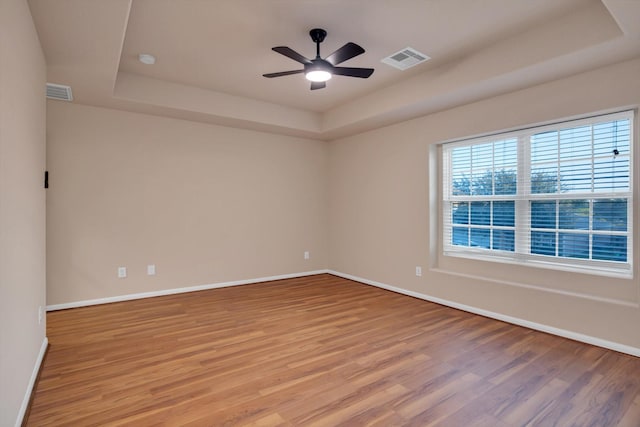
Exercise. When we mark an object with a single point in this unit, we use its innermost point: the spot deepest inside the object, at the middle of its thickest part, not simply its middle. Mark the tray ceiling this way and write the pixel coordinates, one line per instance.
(211, 55)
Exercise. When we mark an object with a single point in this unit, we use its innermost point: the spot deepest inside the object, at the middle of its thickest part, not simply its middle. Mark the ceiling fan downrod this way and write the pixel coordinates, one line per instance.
(318, 35)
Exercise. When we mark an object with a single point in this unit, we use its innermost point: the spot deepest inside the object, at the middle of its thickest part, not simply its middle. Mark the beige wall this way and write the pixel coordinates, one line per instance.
(22, 204)
(204, 203)
(383, 213)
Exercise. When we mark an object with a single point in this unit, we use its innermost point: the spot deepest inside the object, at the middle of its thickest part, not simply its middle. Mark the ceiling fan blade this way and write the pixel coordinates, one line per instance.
(283, 73)
(318, 85)
(363, 73)
(290, 53)
(347, 51)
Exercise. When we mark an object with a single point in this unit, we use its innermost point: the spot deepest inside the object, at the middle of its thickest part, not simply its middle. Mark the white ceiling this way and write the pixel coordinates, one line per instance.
(211, 55)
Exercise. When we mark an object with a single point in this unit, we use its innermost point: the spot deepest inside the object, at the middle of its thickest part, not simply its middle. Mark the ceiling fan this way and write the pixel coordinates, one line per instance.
(319, 70)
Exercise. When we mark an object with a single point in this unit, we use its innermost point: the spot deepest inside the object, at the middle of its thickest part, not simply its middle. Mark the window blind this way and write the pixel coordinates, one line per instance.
(558, 196)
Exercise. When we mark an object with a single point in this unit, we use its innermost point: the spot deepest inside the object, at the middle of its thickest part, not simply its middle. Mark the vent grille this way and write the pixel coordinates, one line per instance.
(59, 92)
(405, 58)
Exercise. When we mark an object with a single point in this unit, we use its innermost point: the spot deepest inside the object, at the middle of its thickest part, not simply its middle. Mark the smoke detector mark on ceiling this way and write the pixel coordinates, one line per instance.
(59, 92)
(147, 58)
(405, 58)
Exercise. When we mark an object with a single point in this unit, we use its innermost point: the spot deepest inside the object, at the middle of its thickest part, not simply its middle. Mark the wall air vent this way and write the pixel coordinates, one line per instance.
(59, 92)
(405, 58)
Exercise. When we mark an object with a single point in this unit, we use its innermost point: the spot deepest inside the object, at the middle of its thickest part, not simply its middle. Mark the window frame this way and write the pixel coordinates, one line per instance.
(521, 255)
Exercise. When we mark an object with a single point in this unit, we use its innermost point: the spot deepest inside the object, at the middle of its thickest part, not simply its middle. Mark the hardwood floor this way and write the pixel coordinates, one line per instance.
(320, 351)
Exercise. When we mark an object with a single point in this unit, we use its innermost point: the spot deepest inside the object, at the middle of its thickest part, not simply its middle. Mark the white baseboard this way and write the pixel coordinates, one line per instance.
(622, 348)
(173, 291)
(32, 382)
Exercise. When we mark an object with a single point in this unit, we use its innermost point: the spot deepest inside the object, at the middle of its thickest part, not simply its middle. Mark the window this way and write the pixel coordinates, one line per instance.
(557, 196)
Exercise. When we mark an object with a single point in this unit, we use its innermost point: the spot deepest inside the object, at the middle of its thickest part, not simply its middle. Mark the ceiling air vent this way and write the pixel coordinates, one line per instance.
(405, 58)
(59, 92)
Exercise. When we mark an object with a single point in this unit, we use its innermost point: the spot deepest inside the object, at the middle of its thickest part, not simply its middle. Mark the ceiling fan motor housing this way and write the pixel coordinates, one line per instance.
(318, 65)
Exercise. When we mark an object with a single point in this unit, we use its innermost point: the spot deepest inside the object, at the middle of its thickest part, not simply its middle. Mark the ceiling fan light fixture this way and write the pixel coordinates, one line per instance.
(318, 75)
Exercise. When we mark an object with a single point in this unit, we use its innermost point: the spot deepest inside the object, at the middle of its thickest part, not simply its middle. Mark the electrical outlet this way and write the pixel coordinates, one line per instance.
(306, 254)
(151, 270)
(40, 315)
(418, 271)
(122, 272)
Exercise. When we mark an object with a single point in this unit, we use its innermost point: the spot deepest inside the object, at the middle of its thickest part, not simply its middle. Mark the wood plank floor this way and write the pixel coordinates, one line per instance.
(320, 351)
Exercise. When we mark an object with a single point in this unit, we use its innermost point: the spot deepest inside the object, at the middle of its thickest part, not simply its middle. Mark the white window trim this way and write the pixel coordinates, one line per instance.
(520, 256)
